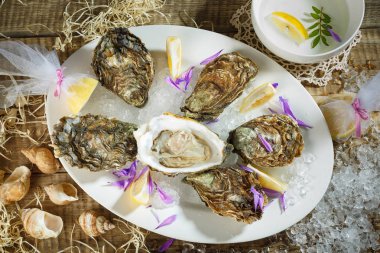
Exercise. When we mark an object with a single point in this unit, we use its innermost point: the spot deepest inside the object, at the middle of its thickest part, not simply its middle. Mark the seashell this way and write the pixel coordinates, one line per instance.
(62, 194)
(40, 224)
(16, 186)
(94, 225)
(43, 158)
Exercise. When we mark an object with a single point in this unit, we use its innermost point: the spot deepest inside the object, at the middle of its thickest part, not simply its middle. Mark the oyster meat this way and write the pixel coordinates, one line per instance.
(281, 131)
(94, 142)
(227, 192)
(172, 144)
(219, 84)
(124, 66)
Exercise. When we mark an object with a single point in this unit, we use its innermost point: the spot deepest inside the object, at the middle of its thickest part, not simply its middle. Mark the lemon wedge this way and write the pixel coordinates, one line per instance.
(290, 26)
(258, 96)
(174, 55)
(79, 93)
(139, 189)
(269, 182)
(334, 117)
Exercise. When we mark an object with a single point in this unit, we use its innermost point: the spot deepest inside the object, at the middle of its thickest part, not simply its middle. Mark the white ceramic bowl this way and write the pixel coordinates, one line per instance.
(346, 16)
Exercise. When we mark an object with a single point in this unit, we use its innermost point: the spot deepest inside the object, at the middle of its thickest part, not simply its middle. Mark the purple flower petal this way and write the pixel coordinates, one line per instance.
(166, 198)
(167, 221)
(211, 121)
(124, 183)
(186, 76)
(166, 245)
(245, 168)
(287, 111)
(272, 111)
(211, 58)
(334, 35)
(150, 185)
(256, 197)
(283, 202)
(275, 85)
(265, 143)
(174, 83)
(155, 215)
(272, 193)
(126, 171)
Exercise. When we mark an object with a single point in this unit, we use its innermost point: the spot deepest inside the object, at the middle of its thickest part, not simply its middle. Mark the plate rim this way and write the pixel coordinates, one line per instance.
(164, 233)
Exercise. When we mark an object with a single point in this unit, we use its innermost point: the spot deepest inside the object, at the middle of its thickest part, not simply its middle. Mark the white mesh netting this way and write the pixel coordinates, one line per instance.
(317, 74)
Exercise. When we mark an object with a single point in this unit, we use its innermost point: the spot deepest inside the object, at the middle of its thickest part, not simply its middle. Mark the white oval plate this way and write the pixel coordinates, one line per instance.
(195, 222)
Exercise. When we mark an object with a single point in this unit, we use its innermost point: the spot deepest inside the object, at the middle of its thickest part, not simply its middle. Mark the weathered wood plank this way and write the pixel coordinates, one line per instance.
(17, 20)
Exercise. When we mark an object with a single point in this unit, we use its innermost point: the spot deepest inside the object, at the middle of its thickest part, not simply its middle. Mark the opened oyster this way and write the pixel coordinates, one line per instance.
(219, 84)
(124, 66)
(173, 144)
(227, 192)
(282, 133)
(94, 142)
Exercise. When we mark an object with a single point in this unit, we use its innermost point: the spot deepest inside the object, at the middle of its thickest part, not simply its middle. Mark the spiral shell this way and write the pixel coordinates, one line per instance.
(93, 224)
(16, 186)
(40, 224)
(43, 158)
(62, 194)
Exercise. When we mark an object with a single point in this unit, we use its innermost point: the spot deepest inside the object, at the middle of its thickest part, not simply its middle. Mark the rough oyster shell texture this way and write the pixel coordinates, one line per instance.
(219, 84)
(227, 192)
(280, 131)
(94, 142)
(124, 66)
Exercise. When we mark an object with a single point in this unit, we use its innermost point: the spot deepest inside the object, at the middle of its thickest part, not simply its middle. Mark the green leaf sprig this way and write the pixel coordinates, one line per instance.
(319, 29)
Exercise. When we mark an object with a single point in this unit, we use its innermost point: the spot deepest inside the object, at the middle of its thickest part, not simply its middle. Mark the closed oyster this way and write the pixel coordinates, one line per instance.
(94, 142)
(219, 84)
(40, 224)
(280, 131)
(124, 66)
(173, 144)
(227, 192)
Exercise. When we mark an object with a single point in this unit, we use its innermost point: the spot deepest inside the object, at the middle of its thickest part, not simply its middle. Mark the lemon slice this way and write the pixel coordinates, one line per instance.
(334, 117)
(79, 93)
(290, 26)
(269, 182)
(140, 190)
(258, 96)
(174, 54)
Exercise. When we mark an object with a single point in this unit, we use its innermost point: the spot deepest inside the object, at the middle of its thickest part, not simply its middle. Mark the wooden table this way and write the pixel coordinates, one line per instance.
(15, 21)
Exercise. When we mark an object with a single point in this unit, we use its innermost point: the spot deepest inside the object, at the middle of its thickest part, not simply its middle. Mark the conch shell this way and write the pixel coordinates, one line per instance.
(40, 224)
(43, 158)
(16, 186)
(94, 225)
(62, 194)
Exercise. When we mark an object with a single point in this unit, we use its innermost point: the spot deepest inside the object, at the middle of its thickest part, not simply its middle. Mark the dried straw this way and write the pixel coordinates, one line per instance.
(88, 21)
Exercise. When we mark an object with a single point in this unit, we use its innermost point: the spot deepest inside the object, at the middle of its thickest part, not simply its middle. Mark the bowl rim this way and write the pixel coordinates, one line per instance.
(329, 53)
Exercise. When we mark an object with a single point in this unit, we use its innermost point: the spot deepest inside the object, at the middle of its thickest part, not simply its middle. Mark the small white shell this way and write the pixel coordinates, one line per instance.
(16, 186)
(40, 224)
(94, 225)
(62, 194)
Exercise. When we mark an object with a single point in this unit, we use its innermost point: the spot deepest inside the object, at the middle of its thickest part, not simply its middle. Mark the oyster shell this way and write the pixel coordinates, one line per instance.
(227, 192)
(219, 84)
(173, 144)
(94, 142)
(280, 131)
(124, 66)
